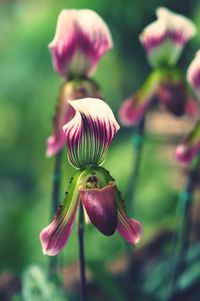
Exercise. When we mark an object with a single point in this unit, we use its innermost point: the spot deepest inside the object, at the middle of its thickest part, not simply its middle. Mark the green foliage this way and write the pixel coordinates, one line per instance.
(37, 286)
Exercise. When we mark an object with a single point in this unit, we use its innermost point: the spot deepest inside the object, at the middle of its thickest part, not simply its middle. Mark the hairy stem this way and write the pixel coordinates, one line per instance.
(83, 296)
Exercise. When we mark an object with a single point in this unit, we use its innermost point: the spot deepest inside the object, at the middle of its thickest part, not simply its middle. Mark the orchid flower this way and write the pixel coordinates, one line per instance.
(190, 146)
(88, 136)
(165, 38)
(163, 41)
(81, 40)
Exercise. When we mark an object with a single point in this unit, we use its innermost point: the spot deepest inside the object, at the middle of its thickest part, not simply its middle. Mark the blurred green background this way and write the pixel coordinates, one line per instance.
(28, 91)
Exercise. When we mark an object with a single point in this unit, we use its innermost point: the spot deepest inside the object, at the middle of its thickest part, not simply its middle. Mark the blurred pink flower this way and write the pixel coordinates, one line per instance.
(81, 40)
(165, 38)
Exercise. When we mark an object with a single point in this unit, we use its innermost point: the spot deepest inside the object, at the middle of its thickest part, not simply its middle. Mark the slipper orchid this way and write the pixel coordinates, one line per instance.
(88, 136)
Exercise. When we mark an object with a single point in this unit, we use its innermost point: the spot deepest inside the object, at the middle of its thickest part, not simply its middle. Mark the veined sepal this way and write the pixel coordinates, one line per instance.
(54, 237)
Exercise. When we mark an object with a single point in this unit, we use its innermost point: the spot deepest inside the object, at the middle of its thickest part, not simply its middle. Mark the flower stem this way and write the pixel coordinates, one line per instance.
(138, 141)
(181, 238)
(55, 202)
(83, 296)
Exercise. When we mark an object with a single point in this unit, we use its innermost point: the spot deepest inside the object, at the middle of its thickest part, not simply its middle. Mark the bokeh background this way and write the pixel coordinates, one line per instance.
(28, 92)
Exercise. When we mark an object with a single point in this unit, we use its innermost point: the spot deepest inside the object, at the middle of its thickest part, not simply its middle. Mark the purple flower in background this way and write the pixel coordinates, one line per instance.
(88, 136)
(163, 41)
(81, 40)
(165, 38)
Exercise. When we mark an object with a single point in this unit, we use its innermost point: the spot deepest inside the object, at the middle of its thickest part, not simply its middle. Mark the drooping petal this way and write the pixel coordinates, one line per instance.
(190, 147)
(193, 74)
(165, 38)
(64, 111)
(101, 207)
(90, 132)
(173, 96)
(81, 39)
(55, 235)
(129, 228)
(132, 110)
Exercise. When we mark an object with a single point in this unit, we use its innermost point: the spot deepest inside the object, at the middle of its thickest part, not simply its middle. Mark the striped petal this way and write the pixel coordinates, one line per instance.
(90, 132)
(64, 111)
(193, 74)
(81, 39)
(54, 237)
(101, 207)
(190, 147)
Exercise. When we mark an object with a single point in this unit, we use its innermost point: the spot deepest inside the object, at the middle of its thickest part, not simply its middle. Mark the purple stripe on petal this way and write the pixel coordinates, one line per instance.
(90, 132)
(129, 229)
(101, 207)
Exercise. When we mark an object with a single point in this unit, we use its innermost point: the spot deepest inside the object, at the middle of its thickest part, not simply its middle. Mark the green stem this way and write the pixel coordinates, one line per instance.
(181, 238)
(83, 296)
(138, 141)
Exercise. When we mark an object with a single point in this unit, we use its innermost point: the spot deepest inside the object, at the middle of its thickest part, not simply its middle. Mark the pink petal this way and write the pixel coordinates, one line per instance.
(129, 229)
(90, 132)
(131, 110)
(54, 237)
(81, 39)
(101, 207)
